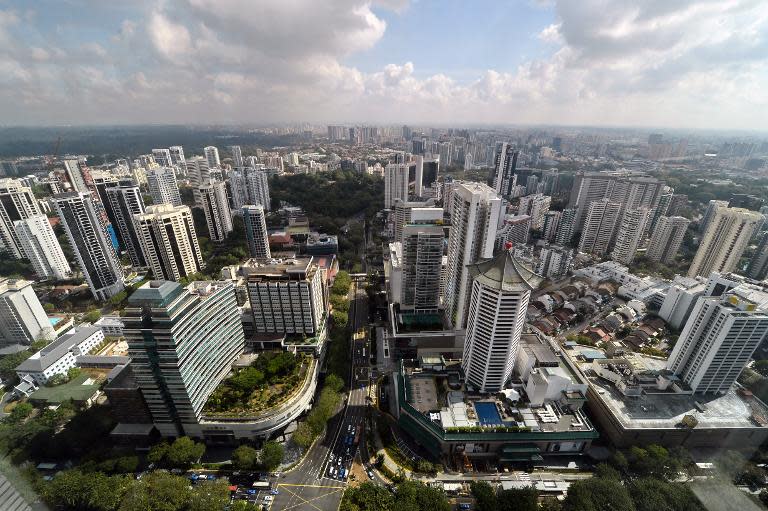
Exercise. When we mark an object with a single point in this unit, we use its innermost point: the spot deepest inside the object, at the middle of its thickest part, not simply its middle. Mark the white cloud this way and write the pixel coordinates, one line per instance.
(171, 40)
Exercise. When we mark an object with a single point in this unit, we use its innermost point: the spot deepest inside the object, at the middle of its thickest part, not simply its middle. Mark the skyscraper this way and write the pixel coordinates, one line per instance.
(22, 318)
(177, 155)
(237, 155)
(709, 213)
(16, 203)
(422, 258)
(724, 241)
(182, 342)
(89, 239)
(667, 238)
(501, 288)
(215, 205)
(212, 156)
(758, 265)
(629, 233)
(199, 174)
(599, 227)
(395, 183)
(404, 213)
(474, 220)
(505, 163)
(75, 175)
(39, 245)
(163, 187)
(554, 261)
(719, 338)
(516, 229)
(167, 239)
(258, 187)
(551, 224)
(256, 231)
(565, 231)
(163, 157)
(536, 206)
(125, 201)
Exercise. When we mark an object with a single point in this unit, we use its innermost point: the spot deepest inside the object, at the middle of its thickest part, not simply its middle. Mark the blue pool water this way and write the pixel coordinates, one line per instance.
(487, 414)
(54, 321)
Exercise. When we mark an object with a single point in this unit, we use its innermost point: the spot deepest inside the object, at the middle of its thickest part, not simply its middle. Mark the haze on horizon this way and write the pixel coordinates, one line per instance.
(594, 62)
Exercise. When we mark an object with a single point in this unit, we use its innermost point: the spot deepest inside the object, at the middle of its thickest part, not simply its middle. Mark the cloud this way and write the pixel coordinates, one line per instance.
(686, 63)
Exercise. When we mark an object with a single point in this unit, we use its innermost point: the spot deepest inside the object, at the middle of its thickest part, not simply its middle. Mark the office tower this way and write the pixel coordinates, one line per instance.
(125, 201)
(532, 185)
(536, 206)
(551, 224)
(719, 338)
(237, 155)
(758, 265)
(667, 238)
(504, 166)
(709, 214)
(404, 213)
(215, 205)
(418, 163)
(212, 156)
(256, 231)
(22, 318)
(162, 157)
(163, 187)
(39, 244)
(724, 241)
(75, 175)
(177, 155)
(337, 133)
(198, 174)
(554, 261)
(501, 288)
(258, 188)
(516, 229)
(474, 220)
(168, 241)
(746, 201)
(16, 203)
(445, 151)
(395, 183)
(599, 227)
(287, 297)
(182, 342)
(430, 188)
(629, 233)
(422, 257)
(565, 231)
(88, 237)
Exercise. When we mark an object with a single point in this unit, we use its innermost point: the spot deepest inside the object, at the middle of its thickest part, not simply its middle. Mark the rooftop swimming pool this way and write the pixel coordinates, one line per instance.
(54, 321)
(487, 414)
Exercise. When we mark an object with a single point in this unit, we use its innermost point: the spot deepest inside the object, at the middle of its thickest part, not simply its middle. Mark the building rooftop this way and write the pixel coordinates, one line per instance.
(49, 355)
(505, 272)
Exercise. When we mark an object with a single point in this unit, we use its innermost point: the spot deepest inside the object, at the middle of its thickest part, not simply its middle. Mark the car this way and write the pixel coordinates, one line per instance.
(268, 498)
(333, 472)
(251, 491)
(369, 473)
(464, 506)
(274, 491)
(349, 428)
(330, 470)
(338, 462)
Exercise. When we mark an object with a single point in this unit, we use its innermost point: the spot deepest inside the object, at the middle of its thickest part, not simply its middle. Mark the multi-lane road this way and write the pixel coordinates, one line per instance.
(310, 486)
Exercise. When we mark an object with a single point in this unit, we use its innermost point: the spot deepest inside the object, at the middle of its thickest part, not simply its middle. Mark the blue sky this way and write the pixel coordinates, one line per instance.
(688, 63)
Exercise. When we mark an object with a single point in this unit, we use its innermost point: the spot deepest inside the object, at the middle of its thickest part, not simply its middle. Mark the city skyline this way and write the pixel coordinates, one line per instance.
(532, 63)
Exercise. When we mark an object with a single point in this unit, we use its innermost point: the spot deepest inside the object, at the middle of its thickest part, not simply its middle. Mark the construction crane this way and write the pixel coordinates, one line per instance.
(51, 160)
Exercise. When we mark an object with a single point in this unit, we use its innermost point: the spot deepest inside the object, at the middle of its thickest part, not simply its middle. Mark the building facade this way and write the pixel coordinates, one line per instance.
(667, 238)
(16, 203)
(218, 216)
(395, 183)
(168, 241)
(256, 233)
(629, 234)
(422, 257)
(125, 201)
(22, 318)
(724, 241)
(163, 187)
(39, 244)
(599, 227)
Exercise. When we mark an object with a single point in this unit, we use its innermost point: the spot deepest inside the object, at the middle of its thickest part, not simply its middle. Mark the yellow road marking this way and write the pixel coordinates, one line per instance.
(308, 501)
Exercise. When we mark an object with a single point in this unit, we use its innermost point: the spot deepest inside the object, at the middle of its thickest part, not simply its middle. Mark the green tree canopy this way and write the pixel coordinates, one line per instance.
(598, 494)
(245, 457)
(271, 455)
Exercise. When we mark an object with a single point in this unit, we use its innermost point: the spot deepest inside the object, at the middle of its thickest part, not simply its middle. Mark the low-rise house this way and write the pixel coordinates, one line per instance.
(112, 326)
(60, 355)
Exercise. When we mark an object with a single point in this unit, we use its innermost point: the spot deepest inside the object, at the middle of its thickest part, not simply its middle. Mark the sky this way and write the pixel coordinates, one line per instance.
(655, 63)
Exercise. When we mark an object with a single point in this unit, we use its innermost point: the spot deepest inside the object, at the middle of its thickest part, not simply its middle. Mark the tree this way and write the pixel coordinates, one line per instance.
(367, 497)
(9, 363)
(596, 494)
(245, 457)
(518, 499)
(244, 505)
(184, 451)
(334, 383)
(425, 467)
(340, 319)
(158, 452)
(73, 372)
(414, 495)
(75, 490)
(607, 472)
(271, 455)
(210, 495)
(20, 412)
(651, 494)
(761, 366)
(484, 495)
(92, 316)
(157, 491)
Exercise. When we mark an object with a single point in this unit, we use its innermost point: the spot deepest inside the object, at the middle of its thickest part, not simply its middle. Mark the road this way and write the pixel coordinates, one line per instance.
(309, 486)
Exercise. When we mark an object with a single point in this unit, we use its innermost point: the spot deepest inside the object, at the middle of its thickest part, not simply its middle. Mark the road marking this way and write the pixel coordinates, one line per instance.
(309, 501)
(309, 486)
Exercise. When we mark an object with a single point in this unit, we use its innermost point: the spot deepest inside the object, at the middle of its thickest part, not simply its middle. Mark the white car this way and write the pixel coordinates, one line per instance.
(268, 498)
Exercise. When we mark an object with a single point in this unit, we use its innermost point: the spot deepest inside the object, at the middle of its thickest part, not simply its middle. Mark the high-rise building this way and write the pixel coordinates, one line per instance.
(746, 201)
(404, 213)
(287, 297)
(182, 342)
(566, 229)
(724, 241)
(75, 175)
(422, 257)
(88, 238)
(125, 201)
(719, 338)
(167, 239)
(667, 238)
(163, 157)
(554, 261)
(501, 288)
(22, 318)
(629, 233)
(16, 203)
(551, 224)
(212, 156)
(758, 265)
(662, 208)
(516, 229)
(505, 164)
(215, 205)
(430, 187)
(237, 155)
(163, 187)
(599, 227)
(418, 165)
(709, 213)
(177, 155)
(256, 231)
(39, 244)
(395, 183)
(476, 209)
(536, 206)
(199, 174)
(258, 188)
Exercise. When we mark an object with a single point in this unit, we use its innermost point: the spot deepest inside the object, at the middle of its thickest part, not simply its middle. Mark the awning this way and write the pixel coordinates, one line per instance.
(521, 448)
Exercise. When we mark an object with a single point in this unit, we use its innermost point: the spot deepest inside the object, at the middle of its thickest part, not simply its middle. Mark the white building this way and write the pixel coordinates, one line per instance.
(40, 246)
(667, 238)
(111, 326)
(536, 205)
(404, 213)
(177, 155)
(237, 155)
(554, 261)
(680, 299)
(599, 227)
(212, 156)
(474, 220)
(422, 257)
(505, 163)
(163, 187)
(125, 201)
(258, 188)
(551, 225)
(215, 204)
(198, 174)
(725, 240)
(92, 245)
(395, 183)
(566, 229)
(22, 318)
(629, 234)
(162, 157)
(256, 231)
(719, 338)
(60, 355)
(16, 203)
(516, 230)
(75, 175)
(168, 240)
(501, 288)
